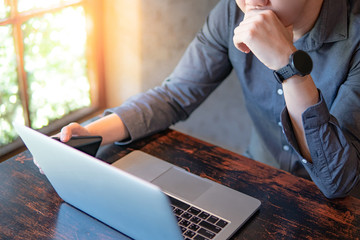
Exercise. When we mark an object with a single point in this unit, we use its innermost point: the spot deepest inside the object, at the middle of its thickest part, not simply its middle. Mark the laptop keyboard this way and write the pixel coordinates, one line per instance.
(195, 223)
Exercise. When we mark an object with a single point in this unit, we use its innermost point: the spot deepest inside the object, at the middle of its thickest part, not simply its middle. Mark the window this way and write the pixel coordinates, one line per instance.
(50, 58)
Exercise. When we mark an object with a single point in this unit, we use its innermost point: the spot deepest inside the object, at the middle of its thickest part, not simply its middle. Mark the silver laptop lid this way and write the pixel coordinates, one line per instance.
(127, 203)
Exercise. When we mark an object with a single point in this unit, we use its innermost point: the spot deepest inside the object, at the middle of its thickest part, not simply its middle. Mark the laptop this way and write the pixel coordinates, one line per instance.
(140, 195)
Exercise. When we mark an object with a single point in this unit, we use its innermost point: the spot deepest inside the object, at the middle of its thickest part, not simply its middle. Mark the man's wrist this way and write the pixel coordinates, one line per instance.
(285, 58)
(299, 63)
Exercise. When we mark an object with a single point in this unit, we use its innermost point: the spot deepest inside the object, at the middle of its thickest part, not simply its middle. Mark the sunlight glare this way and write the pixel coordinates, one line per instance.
(25, 5)
(13, 99)
(4, 9)
(56, 64)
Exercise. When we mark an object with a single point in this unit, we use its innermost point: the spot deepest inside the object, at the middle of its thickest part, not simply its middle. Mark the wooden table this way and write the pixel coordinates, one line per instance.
(292, 207)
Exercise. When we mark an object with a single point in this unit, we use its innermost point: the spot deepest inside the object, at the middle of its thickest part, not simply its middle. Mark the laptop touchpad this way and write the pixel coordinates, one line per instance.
(182, 183)
(142, 165)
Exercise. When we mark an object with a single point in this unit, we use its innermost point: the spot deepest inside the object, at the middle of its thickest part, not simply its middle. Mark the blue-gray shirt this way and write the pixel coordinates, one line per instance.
(332, 126)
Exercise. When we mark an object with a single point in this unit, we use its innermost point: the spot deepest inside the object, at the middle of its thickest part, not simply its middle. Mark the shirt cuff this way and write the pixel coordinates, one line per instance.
(312, 118)
(316, 115)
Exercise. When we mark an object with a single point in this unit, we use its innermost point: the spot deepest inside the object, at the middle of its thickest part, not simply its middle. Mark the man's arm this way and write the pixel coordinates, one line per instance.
(271, 42)
(331, 147)
(110, 127)
(300, 93)
(202, 68)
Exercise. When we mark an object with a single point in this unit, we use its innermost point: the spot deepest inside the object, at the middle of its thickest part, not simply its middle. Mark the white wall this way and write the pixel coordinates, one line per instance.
(144, 41)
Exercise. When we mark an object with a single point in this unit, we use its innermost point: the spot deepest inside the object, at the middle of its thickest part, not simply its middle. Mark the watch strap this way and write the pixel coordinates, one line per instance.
(284, 73)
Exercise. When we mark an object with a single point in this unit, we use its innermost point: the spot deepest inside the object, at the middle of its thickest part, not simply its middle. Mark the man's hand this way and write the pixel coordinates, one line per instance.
(110, 127)
(73, 129)
(66, 133)
(262, 33)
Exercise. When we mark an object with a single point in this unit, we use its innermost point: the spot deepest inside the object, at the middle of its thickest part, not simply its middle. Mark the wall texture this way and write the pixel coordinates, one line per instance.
(144, 41)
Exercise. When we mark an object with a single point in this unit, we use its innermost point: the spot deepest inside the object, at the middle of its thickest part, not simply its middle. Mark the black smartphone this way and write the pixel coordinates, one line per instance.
(86, 144)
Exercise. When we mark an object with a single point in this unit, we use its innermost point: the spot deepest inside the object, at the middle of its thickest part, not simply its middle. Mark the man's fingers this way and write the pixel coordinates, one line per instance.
(238, 41)
(65, 134)
(242, 47)
(73, 129)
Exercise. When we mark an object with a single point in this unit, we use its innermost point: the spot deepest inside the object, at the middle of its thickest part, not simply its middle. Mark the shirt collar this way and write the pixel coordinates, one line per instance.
(331, 26)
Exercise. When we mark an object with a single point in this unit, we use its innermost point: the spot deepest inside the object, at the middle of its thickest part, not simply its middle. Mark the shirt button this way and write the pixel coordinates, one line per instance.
(304, 161)
(280, 91)
(286, 148)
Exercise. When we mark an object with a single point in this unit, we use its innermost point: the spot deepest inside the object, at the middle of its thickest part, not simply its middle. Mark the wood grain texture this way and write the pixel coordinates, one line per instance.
(292, 207)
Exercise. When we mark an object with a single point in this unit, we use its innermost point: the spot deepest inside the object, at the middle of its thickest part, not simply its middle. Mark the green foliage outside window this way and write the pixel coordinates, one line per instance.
(10, 104)
(54, 47)
(4, 9)
(25, 5)
(54, 61)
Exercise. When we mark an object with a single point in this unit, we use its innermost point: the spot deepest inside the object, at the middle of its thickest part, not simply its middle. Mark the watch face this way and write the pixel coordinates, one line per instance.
(302, 63)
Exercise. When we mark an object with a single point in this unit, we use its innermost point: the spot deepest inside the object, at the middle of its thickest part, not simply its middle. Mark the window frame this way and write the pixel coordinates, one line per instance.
(95, 61)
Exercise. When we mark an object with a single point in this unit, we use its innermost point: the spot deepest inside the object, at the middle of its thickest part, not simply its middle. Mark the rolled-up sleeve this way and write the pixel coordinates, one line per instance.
(334, 150)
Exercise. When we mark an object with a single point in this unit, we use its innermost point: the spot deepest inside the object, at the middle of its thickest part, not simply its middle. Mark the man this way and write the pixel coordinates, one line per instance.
(308, 123)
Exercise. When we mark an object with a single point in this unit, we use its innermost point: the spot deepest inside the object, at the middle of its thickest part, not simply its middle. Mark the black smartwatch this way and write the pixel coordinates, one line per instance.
(300, 63)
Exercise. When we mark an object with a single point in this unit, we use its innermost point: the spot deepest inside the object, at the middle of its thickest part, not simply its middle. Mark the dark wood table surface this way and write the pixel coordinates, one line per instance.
(292, 207)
